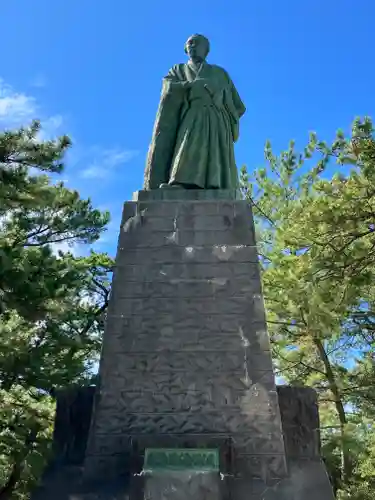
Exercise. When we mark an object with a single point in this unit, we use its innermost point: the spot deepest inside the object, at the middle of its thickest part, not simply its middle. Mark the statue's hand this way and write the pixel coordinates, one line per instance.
(202, 85)
(199, 82)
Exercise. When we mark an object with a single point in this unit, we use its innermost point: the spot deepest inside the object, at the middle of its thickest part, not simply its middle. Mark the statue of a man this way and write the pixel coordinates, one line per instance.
(196, 126)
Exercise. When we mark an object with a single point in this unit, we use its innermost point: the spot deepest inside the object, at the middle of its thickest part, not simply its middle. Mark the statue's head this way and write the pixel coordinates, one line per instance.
(197, 47)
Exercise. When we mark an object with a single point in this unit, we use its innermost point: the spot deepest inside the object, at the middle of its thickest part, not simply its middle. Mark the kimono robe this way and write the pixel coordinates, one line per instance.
(195, 130)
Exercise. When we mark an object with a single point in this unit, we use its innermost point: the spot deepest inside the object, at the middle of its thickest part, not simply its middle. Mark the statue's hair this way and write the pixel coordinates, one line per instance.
(203, 38)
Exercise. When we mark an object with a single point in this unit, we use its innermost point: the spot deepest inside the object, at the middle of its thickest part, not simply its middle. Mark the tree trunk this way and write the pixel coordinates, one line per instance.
(346, 463)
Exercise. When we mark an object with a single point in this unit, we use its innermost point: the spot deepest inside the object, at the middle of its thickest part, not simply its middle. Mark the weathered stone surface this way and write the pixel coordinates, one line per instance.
(219, 333)
(173, 383)
(184, 222)
(179, 361)
(186, 362)
(169, 254)
(187, 271)
(264, 466)
(114, 422)
(186, 351)
(203, 288)
(245, 444)
(119, 454)
(182, 485)
(203, 238)
(300, 417)
(147, 306)
(193, 400)
(176, 207)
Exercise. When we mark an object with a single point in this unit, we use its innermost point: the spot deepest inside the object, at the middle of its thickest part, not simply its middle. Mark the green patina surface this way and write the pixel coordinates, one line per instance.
(181, 459)
(196, 125)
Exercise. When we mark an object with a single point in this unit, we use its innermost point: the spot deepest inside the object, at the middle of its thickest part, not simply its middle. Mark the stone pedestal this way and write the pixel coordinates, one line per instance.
(186, 357)
(186, 363)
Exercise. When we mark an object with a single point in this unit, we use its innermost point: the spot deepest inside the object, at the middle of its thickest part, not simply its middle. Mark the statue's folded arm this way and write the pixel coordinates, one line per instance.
(161, 149)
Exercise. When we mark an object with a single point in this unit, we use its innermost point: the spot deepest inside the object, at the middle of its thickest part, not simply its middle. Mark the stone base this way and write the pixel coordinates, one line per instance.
(307, 477)
(308, 480)
(186, 363)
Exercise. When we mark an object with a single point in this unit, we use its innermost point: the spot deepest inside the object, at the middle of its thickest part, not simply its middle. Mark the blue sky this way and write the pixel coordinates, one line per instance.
(93, 70)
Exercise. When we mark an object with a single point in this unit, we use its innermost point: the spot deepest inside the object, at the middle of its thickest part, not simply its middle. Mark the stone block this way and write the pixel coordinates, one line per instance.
(216, 333)
(108, 466)
(186, 238)
(244, 444)
(148, 272)
(231, 384)
(176, 208)
(112, 421)
(146, 222)
(265, 467)
(180, 288)
(189, 307)
(306, 480)
(300, 421)
(181, 362)
(173, 254)
(254, 401)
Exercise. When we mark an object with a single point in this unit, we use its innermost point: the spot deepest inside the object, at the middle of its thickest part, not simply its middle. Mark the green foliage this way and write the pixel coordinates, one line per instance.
(317, 247)
(34, 213)
(26, 420)
(52, 304)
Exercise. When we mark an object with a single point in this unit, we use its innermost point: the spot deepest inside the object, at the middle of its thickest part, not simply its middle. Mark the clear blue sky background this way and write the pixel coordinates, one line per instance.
(93, 70)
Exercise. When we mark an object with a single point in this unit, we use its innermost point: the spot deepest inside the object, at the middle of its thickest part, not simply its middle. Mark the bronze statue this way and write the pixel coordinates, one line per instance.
(196, 126)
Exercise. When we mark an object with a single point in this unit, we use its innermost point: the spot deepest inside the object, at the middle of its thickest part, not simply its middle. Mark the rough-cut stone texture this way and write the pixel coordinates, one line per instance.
(186, 363)
(186, 350)
(307, 479)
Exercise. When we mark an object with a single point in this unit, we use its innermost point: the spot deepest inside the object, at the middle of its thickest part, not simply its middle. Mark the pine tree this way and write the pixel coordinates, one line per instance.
(317, 256)
(52, 303)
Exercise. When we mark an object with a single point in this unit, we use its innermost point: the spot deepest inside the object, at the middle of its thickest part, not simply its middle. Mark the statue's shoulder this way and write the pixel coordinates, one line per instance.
(176, 72)
(177, 68)
(219, 69)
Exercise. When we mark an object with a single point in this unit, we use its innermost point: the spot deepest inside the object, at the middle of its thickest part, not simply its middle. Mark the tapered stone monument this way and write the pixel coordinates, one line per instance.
(186, 361)
(186, 358)
(186, 372)
(186, 405)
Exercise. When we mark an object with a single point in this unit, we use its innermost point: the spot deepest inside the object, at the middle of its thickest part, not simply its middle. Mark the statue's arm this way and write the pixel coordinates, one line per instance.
(165, 130)
(175, 80)
(235, 96)
(237, 101)
(235, 107)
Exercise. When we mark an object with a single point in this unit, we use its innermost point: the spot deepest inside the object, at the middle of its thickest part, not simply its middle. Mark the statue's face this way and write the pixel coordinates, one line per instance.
(196, 48)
